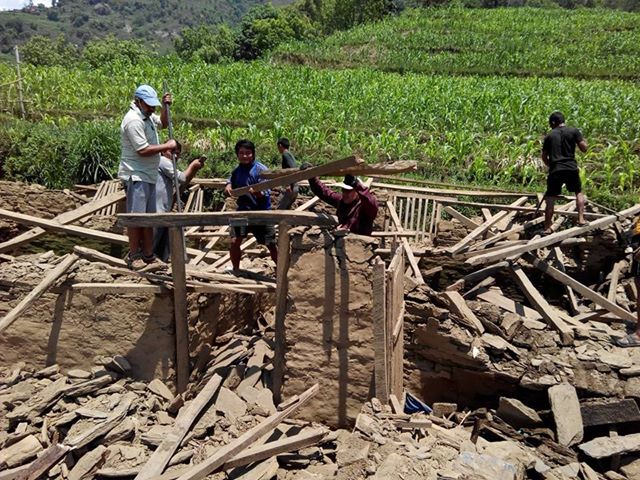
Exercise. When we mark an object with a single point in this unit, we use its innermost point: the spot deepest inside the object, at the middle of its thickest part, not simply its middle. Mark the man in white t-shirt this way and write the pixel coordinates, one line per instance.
(139, 160)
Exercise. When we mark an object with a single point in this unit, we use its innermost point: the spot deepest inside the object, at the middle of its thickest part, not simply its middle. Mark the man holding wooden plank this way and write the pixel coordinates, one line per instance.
(247, 173)
(356, 207)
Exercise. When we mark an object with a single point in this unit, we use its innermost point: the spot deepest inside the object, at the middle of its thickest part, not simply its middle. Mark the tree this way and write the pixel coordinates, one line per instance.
(206, 44)
(44, 51)
(110, 49)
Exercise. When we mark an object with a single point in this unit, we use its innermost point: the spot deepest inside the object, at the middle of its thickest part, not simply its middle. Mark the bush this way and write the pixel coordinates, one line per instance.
(206, 44)
(59, 156)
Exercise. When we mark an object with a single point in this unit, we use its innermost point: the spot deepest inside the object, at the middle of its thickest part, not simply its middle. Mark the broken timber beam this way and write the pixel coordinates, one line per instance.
(463, 219)
(454, 192)
(66, 263)
(365, 169)
(542, 306)
(226, 453)
(553, 239)
(484, 227)
(300, 175)
(580, 288)
(161, 456)
(63, 219)
(257, 217)
(282, 289)
(380, 344)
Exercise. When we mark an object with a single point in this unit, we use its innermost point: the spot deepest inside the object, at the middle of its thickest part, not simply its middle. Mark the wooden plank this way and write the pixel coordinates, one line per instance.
(119, 288)
(580, 288)
(395, 405)
(257, 217)
(401, 166)
(282, 289)
(477, 276)
(405, 243)
(187, 416)
(300, 175)
(425, 218)
(62, 219)
(43, 463)
(460, 307)
(520, 228)
(419, 233)
(615, 278)
(395, 322)
(180, 307)
(554, 238)
(542, 306)
(51, 277)
(452, 191)
(381, 355)
(484, 227)
(96, 256)
(224, 454)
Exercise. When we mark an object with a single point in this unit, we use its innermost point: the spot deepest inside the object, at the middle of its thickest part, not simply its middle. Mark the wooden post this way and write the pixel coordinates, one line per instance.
(20, 96)
(381, 362)
(282, 289)
(180, 307)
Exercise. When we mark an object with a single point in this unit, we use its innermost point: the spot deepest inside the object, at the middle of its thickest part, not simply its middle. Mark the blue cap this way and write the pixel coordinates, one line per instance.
(148, 95)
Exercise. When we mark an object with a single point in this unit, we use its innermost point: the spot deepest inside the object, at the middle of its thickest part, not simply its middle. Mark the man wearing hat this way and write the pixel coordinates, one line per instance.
(139, 160)
(356, 206)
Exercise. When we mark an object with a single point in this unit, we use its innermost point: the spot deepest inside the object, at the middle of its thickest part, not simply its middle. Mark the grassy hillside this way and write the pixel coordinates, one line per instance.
(506, 41)
(149, 20)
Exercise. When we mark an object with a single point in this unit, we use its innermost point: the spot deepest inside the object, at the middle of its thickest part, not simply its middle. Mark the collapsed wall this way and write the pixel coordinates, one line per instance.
(77, 329)
(329, 324)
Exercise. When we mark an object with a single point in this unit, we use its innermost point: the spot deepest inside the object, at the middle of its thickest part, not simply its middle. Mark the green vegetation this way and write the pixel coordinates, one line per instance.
(483, 129)
(154, 22)
(578, 43)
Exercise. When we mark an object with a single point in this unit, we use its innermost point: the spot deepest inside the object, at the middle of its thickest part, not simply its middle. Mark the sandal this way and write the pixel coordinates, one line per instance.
(627, 341)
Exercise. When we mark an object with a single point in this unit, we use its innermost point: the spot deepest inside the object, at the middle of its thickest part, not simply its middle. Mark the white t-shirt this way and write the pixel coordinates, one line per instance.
(136, 133)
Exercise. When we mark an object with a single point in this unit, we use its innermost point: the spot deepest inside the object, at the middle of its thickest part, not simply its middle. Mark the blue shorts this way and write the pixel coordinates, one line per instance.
(141, 196)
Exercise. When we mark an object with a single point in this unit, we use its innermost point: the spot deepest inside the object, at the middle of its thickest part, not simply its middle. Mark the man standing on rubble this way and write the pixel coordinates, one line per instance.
(164, 194)
(249, 172)
(290, 193)
(559, 154)
(139, 160)
(356, 206)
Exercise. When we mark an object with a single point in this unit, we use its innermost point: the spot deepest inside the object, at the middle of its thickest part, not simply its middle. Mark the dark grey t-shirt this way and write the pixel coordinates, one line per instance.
(288, 160)
(560, 146)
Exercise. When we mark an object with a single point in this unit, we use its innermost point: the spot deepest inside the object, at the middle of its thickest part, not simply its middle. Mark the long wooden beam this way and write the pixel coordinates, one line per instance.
(453, 192)
(554, 238)
(64, 218)
(37, 292)
(542, 306)
(226, 453)
(580, 288)
(463, 219)
(160, 458)
(484, 227)
(401, 166)
(259, 217)
(300, 175)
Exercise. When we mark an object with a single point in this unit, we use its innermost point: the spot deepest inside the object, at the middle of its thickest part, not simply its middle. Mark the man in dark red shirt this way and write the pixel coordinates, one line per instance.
(356, 206)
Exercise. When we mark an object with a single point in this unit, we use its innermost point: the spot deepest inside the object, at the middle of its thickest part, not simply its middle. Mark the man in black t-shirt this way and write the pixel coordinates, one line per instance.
(559, 154)
(290, 193)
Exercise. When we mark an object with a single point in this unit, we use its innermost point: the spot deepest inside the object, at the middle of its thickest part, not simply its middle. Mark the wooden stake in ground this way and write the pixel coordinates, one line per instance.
(37, 292)
(281, 309)
(176, 240)
(300, 175)
(229, 451)
(161, 456)
(380, 344)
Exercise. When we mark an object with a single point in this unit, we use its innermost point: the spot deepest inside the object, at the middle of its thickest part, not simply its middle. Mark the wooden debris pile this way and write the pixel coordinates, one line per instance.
(102, 424)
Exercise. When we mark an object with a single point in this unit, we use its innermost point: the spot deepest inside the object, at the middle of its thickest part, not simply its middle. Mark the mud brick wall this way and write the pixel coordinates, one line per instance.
(329, 324)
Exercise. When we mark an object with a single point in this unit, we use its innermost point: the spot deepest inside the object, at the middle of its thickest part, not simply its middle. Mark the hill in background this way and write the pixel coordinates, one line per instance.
(156, 21)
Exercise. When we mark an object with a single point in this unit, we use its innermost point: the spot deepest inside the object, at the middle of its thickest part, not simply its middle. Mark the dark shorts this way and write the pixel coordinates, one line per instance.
(570, 178)
(265, 234)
